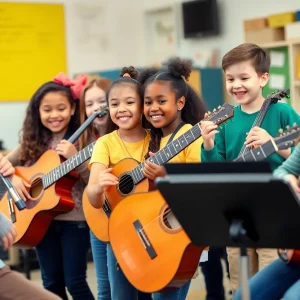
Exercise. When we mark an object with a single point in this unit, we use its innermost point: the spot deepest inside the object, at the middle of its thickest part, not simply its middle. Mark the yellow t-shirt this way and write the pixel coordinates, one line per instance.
(190, 153)
(110, 149)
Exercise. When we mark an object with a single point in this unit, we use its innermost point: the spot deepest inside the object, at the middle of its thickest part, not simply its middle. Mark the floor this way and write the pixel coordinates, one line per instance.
(197, 290)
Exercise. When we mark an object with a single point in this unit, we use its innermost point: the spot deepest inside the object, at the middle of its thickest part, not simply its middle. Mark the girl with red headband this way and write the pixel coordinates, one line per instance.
(52, 116)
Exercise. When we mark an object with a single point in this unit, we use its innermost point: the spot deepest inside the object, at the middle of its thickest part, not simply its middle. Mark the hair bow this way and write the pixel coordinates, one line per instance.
(76, 85)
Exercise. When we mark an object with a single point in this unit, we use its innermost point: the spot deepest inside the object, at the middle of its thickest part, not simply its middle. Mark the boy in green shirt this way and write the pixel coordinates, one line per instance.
(246, 69)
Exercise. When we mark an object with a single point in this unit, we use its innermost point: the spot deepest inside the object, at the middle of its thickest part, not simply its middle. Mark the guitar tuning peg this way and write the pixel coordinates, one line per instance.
(219, 107)
(220, 126)
(295, 124)
(208, 112)
(287, 126)
(280, 130)
(214, 110)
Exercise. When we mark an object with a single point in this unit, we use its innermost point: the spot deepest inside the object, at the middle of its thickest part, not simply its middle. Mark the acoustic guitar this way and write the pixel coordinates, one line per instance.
(51, 185)
(286, 139)
(152, 249)
(289, 255)
(132, 179)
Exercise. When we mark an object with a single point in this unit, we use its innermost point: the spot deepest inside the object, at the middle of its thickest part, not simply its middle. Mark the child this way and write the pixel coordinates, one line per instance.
(93, 98)
(279, 280)
(171, 106)
(128, 140)
(246, 70)
(14, 285)
(51, 118)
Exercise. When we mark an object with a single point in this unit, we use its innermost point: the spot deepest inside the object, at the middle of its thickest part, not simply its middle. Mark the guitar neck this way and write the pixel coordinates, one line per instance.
(259, 153)
(258, 121)
(68, 165)
(168, 152)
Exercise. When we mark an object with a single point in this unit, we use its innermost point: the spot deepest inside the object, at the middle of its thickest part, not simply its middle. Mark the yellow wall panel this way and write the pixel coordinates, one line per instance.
(32, 47)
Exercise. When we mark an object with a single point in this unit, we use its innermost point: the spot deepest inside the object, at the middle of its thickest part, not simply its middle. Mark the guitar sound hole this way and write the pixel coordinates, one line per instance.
(126, 184)
(35, 192)
(170, 220)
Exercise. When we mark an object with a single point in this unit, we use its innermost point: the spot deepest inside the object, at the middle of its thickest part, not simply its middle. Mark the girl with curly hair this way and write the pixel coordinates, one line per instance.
(52, 116)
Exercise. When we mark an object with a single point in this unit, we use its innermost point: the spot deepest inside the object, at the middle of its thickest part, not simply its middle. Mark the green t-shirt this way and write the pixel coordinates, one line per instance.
(229, 141)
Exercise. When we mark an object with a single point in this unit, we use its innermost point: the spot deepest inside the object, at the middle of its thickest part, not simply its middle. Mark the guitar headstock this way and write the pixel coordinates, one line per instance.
(276, 96)
(287, 139)
(102, 112)
(221, 114)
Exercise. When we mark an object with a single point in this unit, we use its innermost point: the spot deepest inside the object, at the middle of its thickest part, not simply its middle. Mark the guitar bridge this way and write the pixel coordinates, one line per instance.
(144, 239)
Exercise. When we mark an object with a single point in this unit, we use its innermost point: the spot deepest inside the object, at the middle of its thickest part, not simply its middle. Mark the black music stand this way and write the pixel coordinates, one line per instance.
(233, 204)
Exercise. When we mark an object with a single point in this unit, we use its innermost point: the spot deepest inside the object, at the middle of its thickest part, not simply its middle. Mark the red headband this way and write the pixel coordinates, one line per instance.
(75, 85)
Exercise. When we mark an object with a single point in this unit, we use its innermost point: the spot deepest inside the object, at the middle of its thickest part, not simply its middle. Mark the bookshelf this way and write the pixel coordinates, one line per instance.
(293, 51)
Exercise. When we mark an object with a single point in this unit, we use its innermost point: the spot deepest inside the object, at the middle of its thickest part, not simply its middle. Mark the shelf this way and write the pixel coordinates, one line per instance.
(279, 44)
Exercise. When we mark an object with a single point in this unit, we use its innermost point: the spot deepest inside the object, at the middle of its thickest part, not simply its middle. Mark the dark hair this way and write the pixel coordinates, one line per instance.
(103, 84)
(259, 57)
(126, 80)
(177, 70)
(34, 136)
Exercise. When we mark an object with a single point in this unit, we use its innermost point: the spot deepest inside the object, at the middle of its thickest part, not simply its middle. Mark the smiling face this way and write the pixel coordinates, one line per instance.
(125, 106)
(243, 83)
(94, 99)
(161, 108)
(56, 112)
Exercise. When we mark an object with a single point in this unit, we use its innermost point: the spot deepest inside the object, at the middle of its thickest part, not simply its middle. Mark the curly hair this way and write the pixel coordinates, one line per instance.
(178, 72)
(91, 131)
(126, 80)
(34, 136)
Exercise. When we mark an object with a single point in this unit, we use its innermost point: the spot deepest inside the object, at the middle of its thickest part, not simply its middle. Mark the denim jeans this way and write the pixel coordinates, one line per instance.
(276, 281)
(62, 255)
(99, 250)
(213, 273)
(120, 287)
(176, 294)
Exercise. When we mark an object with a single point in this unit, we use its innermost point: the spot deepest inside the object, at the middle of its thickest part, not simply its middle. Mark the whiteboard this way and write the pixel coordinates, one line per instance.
(32, 47)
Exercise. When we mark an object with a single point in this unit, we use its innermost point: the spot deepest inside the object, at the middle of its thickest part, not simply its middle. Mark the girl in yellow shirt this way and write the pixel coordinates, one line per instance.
(170, 104)
(127, 139)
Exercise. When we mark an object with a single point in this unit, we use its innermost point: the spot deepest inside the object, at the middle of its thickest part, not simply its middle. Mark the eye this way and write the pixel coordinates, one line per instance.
(113, 105)
(162, 101)
(229, 79)
(87, 105)
(61, 109)
(147, 103)
(244, 78)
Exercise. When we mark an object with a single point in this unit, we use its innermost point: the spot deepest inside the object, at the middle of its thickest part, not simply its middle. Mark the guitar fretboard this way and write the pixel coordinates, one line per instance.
(258, 154)
(67, 166)
(168, 152)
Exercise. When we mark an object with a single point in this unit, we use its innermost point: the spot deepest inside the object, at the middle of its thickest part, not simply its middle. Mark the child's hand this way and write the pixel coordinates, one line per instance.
(9, 239)
(105, 180)
(257, 136)
(152, 170)
(208, 129)
(21, 186)
(6, 168)
(66, 149)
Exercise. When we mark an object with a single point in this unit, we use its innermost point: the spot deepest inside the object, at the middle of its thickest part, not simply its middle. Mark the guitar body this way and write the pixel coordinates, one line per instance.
(33, 222)
(289, 255)
(98, 218)
(168, 261)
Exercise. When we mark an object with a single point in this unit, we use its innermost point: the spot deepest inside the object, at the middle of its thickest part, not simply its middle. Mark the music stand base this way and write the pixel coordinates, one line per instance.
(238, 234)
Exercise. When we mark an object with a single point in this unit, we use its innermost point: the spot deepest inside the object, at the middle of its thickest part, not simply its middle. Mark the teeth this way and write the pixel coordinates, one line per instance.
(124, 118)
(156, 117)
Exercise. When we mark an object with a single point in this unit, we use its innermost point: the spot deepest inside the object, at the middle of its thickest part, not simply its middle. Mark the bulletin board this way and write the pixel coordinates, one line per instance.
(279, 72)
(32, 47)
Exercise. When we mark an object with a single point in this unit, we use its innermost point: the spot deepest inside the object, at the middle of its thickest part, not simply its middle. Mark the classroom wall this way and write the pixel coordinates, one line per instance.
(116, 36)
